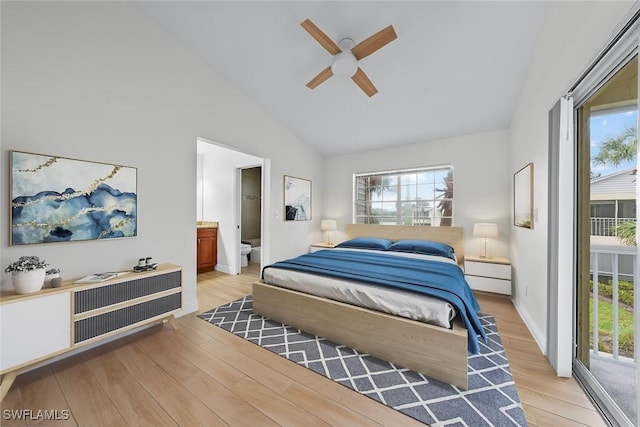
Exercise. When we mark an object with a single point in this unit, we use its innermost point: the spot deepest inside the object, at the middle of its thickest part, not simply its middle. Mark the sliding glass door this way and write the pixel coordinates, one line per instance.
(606, 332)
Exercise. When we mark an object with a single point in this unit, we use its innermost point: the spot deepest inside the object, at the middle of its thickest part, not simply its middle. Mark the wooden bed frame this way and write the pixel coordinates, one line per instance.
(437, 352)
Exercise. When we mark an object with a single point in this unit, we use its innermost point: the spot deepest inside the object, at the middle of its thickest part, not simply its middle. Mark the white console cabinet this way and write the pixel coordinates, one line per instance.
(37, 327)
(34, 327)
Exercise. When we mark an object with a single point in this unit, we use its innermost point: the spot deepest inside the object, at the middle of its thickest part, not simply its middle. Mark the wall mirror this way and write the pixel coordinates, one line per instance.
(523, 197)
(297, 199)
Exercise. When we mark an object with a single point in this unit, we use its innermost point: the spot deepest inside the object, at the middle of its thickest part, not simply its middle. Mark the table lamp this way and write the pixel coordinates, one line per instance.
(328, 225)
(486, 231)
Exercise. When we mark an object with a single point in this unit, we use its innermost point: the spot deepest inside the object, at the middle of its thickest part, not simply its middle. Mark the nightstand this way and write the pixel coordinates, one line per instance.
(323, 245)
(488, 274)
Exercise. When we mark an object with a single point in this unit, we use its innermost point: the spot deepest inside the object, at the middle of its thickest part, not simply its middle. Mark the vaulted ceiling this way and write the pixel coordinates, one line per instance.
(456, 68)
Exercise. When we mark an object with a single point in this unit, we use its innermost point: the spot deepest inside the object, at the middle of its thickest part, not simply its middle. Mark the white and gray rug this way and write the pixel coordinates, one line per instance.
(492, 398)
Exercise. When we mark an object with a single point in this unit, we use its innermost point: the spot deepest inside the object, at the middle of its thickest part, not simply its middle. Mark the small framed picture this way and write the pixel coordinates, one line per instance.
(297, 199)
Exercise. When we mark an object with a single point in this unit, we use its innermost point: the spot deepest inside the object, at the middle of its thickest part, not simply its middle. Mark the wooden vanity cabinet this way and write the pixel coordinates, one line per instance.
(207, 249)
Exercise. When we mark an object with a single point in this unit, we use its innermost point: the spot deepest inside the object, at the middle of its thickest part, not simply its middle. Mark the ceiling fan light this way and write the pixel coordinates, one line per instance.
(344, 64)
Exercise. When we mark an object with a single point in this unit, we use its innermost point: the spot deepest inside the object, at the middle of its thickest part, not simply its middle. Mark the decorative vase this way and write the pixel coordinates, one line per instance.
(28, 282)
(56, 282)
(48, 278)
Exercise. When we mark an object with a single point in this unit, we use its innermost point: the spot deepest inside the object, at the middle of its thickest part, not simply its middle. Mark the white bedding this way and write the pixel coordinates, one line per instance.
(393, 301)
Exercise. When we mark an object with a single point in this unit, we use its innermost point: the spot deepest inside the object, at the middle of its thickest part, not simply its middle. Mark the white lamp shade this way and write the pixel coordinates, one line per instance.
(485, 229)
(328, 224)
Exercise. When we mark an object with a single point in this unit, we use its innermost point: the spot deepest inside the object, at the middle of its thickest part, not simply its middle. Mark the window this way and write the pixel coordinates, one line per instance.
(407, 197)
(627, 209)
(603, 209)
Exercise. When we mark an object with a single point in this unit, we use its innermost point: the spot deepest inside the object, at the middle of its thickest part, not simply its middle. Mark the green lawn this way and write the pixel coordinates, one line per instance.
(605, 328)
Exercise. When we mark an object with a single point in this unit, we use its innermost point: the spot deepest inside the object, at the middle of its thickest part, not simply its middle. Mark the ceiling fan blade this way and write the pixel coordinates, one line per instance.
(361, 79)
(320, 78)
(369, 45)
(321, 37)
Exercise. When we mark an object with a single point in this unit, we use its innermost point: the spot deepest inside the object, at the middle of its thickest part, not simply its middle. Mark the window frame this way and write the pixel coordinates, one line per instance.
(440, 173)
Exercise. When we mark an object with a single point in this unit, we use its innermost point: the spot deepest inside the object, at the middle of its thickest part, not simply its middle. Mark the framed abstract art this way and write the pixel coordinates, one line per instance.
(297, 199)
(57, 199)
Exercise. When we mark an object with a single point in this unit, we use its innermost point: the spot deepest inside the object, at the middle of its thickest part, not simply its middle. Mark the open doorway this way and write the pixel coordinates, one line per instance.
(218, 199)
(250, 198)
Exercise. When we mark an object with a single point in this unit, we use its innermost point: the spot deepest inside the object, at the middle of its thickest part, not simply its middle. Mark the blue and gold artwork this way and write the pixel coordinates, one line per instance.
(57, 199)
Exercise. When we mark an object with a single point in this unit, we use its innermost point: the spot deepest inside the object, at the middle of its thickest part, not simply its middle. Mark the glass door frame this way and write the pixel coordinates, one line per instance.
(620, 52)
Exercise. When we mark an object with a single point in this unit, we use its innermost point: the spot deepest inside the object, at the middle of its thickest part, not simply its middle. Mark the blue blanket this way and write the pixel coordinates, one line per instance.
(438, 279)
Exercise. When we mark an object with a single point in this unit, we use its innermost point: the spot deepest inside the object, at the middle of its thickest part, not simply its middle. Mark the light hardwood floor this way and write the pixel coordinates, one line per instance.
(202, 375)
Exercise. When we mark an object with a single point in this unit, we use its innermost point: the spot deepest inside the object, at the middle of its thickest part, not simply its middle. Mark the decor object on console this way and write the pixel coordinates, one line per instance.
(145, 264)
(56, 199)
(27, 274)
(100, 277)
(51, 274)
(56, 282)
(486, 231)
(297, 199)
(328, 225)
(523, 197)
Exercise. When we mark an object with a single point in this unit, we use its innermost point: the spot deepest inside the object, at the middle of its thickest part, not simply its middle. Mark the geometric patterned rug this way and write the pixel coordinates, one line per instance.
(492, 398)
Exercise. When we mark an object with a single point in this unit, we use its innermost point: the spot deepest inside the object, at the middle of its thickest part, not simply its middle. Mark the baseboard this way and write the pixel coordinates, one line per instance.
(223, 268)
(188, 307)
(537, 335)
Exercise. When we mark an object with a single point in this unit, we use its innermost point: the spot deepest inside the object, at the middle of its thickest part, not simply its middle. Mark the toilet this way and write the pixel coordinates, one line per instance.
(255, 255)
(244, 251)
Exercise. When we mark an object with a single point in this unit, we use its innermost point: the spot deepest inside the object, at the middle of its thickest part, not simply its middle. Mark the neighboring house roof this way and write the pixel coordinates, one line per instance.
(619, 185)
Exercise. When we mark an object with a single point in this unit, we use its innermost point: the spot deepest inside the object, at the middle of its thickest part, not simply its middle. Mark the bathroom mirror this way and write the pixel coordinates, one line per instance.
(297, 199)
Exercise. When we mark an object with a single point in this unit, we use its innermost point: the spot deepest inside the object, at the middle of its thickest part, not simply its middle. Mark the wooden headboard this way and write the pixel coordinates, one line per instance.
(453, 236)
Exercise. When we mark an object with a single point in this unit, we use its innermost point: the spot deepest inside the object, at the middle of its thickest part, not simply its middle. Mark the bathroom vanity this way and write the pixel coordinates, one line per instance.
(207, 243)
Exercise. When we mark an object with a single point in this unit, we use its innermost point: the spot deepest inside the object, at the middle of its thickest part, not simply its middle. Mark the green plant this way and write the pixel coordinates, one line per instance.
(605, 328)
(625, 291)
(618, 149)
(26, 263)
(445, 205)
(626, 231)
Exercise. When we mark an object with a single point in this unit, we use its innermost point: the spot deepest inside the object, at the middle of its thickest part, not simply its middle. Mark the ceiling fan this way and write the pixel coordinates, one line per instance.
(346, 55)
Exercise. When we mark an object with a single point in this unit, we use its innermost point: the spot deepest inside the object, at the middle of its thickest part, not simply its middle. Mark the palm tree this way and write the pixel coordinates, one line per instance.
(626, 232)
(618, 149)
(614, 151)
(372, 185)
(445, 205)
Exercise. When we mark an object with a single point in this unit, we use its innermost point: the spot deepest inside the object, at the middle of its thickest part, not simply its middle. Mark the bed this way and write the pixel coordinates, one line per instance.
(438, 351)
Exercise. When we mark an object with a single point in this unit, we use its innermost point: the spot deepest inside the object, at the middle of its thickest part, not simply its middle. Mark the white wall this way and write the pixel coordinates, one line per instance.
(572, 35)
(219, 199)
(481, 181)
(199, 186)
(99, 81)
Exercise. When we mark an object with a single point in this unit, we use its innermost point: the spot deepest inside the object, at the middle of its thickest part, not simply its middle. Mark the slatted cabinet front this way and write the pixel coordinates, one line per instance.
(108, 309)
